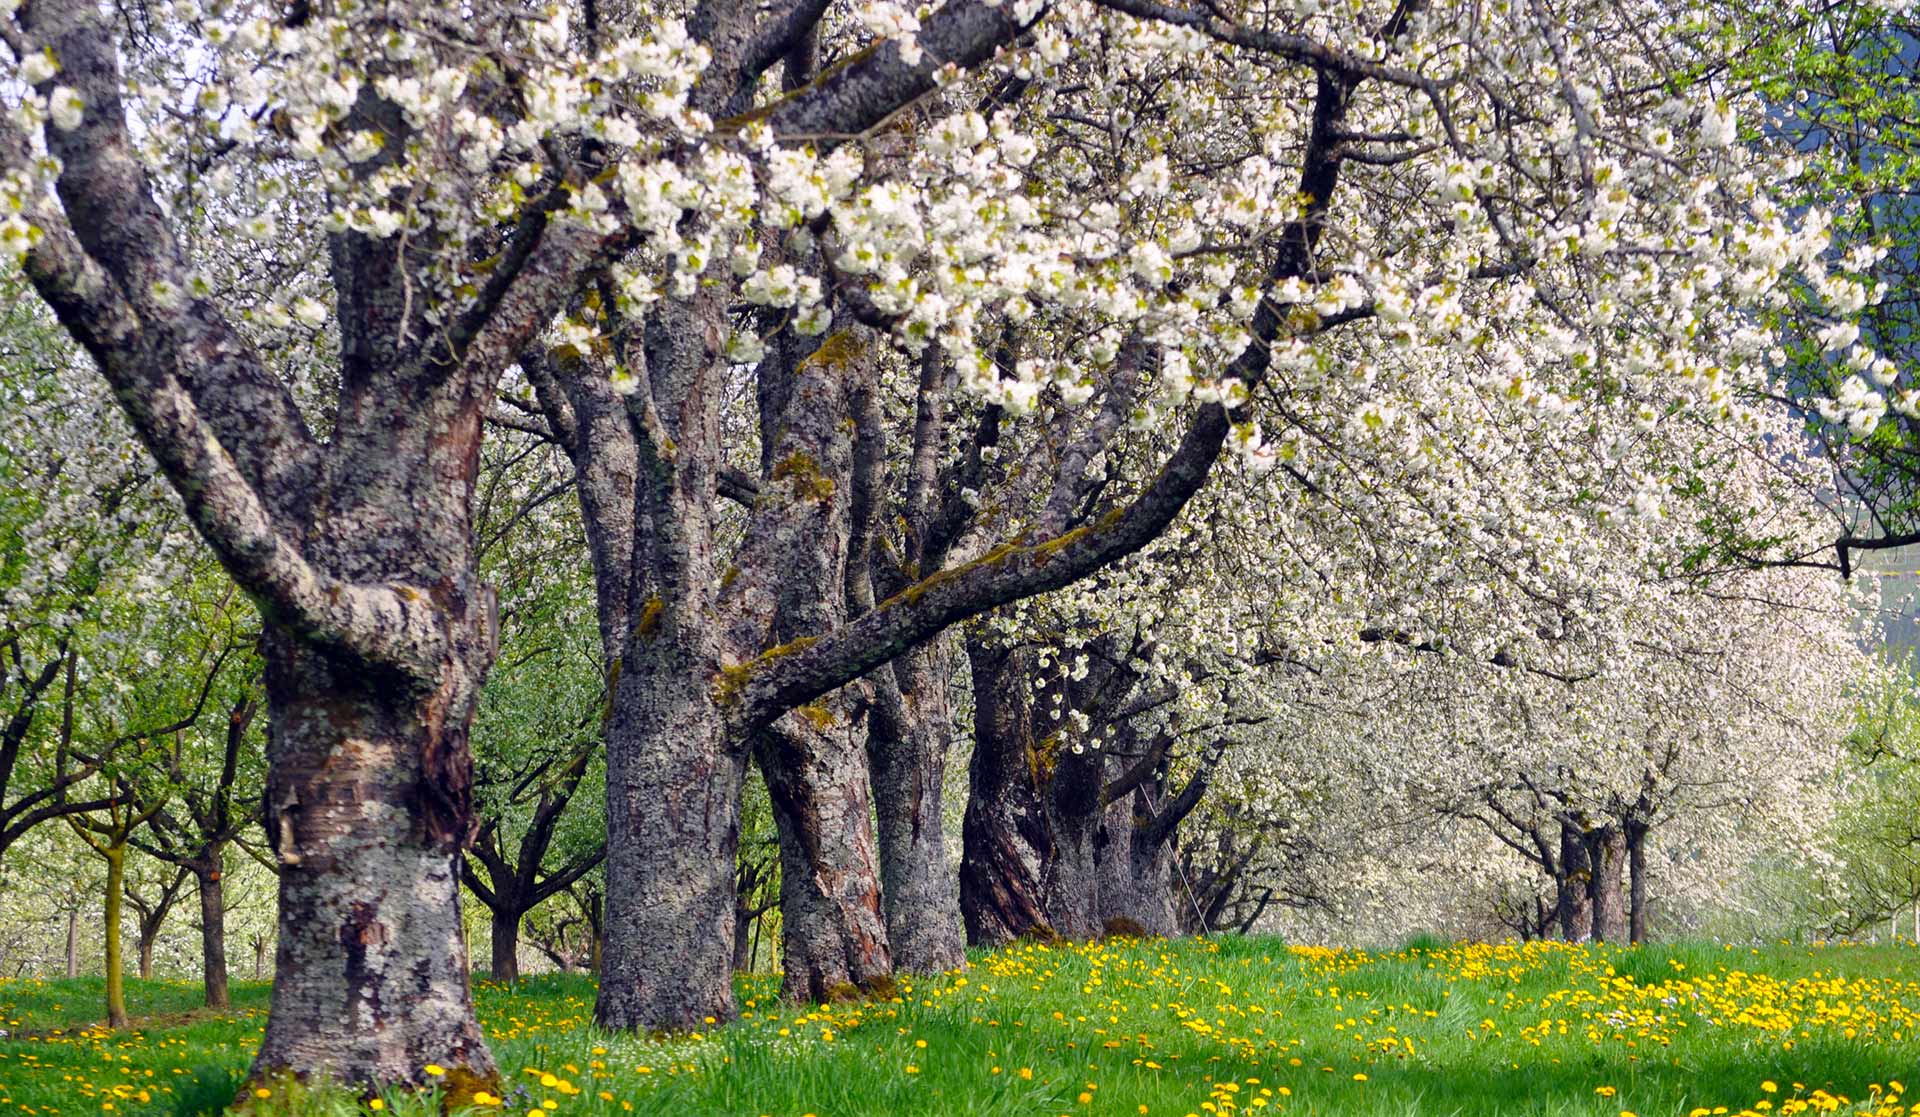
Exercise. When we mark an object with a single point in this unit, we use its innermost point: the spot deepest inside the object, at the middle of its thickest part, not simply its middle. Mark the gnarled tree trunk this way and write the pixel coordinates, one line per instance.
(1004, 834)
(367, 808)
(1070, 879)
(1136, 881)
(910, 733)
(834, 937)
(673, 823)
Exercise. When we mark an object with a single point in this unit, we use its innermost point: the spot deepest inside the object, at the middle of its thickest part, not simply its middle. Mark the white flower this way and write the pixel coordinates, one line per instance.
(274, 314)
(310, 311)
(37, 68)
(383, 223)
(814, 320)
(1838, 336)
(67, 108)
(1718, 126)
(362, 146)
(746, 347)
(16, 236)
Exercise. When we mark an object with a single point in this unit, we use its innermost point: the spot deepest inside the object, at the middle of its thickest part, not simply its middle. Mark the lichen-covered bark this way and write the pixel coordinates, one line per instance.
(910, 732)
(833, 937)
(370, 981)
(673, 776)
(792, 585)
(673, 811)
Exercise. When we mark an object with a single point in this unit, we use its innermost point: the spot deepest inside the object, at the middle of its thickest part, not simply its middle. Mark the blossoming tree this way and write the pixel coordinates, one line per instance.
(305, 243)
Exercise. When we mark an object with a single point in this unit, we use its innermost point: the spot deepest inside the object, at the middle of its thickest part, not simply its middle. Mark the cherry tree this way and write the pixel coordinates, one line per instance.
(304, 246)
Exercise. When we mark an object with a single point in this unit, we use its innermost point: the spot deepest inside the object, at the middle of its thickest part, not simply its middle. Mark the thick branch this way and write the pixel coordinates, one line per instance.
(863, 92)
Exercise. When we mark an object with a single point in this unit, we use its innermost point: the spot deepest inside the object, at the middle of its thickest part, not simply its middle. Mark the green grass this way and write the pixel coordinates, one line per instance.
(1164, 1028)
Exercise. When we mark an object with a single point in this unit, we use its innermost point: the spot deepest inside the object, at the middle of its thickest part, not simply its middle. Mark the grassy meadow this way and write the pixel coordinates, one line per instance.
(1193, 1028)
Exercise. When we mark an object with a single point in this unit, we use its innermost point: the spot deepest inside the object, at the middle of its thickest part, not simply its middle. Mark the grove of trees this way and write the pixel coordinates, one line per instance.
(686, 487)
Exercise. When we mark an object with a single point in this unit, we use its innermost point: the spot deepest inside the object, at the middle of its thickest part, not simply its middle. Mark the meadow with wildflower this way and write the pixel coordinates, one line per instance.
(1191, 1028)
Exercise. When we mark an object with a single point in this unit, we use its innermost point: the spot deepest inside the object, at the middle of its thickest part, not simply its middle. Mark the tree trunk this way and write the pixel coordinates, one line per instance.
(1070, 883)
(73, 942)
(213, 933)
(673, 829)
(116, 982)
(595, 933)
(146, 953)
(504, 962)
(1575, 902)
(368, 806)
(1606, 854)
(742, 932)
(1136, 874)
(1636, 832)
(834, 937)
(1003, 836)
(910, 738)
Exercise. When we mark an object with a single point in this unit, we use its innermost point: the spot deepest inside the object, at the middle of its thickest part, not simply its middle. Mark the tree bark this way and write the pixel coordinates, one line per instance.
(1636, 838)
(834, 936)
(1575, 901)
(1004, 837)
(368, 809)
(116, 856)
(213, 933)
(673, 823)
(1136, 882)
(73, 942)
(910, 737)
(503, 964)
(742, 935)
(1606, 855)
(1070, 880)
